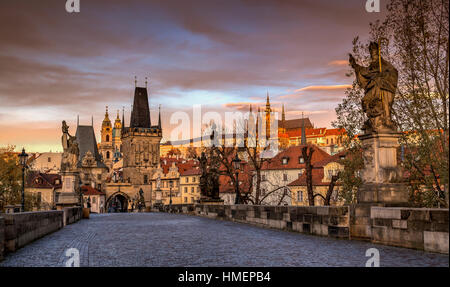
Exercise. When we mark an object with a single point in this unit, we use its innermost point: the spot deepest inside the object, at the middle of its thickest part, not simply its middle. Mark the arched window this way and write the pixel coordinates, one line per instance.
(107, 154)
(107, 138)
(331, 141)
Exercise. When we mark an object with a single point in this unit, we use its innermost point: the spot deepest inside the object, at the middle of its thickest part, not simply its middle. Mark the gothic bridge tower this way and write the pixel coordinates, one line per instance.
(140, 143)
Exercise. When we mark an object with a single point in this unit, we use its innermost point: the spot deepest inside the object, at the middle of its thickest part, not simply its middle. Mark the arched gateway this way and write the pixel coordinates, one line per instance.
(118, 202)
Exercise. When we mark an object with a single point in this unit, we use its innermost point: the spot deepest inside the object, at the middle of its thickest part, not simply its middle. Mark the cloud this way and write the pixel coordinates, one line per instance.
(338, 63)
(324, 88)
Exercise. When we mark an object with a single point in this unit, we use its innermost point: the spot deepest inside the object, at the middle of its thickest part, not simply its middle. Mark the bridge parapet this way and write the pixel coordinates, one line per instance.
(331, 221)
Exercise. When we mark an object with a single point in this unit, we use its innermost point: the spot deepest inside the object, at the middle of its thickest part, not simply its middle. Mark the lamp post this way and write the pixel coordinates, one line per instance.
(237, 164)
(23, 162)
(170, 195)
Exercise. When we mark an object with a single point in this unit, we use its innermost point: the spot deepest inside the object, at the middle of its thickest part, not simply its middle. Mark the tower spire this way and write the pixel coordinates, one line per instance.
(303, 131)
(159, 118)
(78, 120)
(135, 81)
(123, 117)
(145, 82)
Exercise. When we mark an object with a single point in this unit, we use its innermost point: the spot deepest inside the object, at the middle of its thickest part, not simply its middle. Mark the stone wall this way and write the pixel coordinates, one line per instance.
(72, 215)
(418, 228)
(23, 228)
(321, 220)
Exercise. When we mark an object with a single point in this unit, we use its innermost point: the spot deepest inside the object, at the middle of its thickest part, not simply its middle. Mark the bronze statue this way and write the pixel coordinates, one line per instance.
(379, 81)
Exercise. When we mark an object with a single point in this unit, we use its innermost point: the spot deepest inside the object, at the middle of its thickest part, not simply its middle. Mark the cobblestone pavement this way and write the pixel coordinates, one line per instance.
(160, 239)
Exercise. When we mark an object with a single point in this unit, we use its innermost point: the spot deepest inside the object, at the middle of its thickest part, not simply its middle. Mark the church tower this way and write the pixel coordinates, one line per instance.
(106, 143)
(116, 138)
(140, 143)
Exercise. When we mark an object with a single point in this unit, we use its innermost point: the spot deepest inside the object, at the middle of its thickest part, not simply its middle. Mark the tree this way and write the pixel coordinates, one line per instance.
(418, 47)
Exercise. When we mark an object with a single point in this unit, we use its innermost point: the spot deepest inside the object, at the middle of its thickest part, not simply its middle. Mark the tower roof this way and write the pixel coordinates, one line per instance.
(86, 142)
(106, 122)
(140, 115)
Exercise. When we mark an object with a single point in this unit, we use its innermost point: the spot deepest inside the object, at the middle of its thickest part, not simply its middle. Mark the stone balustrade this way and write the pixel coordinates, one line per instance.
(332, 221)
(19, 229)
(418, 228)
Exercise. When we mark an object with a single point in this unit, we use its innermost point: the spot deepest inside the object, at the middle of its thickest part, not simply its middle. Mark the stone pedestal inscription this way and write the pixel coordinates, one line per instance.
(380, 158)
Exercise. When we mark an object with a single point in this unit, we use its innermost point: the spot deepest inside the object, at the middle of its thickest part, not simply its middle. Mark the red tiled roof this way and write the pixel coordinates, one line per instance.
(334, 132)
(333, 158)
(36, 179)
(192, 171)
(89, 190)
(293, 153)
(317, 177)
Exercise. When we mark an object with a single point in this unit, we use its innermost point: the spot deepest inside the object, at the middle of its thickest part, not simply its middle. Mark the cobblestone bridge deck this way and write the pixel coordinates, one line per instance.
(160, 239)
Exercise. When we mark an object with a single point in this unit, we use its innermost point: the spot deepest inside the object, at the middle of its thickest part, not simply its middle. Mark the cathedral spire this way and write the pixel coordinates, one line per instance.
(78, 120)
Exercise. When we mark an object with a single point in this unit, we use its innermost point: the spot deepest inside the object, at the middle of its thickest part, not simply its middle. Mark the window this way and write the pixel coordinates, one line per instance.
(94, 199)
(331, 141)
(263, 177)
(185, 199)
(301, 160)
(300, 196)
(185, 189)
(145, 178)
(285, 160)
(192, 199)
(187, 179)
(193, 179)
(192, 189)
(285, 177)
(99, 177)
(107, 154)
(107, 138)
(300, 173)
(39, 197)
(49, 159)
(263, 191)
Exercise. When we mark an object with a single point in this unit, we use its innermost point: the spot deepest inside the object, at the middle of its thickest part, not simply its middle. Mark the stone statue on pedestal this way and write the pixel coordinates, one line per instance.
(382, 176)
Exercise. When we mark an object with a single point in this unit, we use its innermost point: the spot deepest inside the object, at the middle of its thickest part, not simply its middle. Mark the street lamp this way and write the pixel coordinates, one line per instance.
(237, 164)
(170, 195)
(23, 162)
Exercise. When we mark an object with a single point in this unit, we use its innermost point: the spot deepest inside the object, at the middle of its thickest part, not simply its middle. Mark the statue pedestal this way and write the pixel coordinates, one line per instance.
(382, 181)
(380, 157)
(69, 192)
(382, 177)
